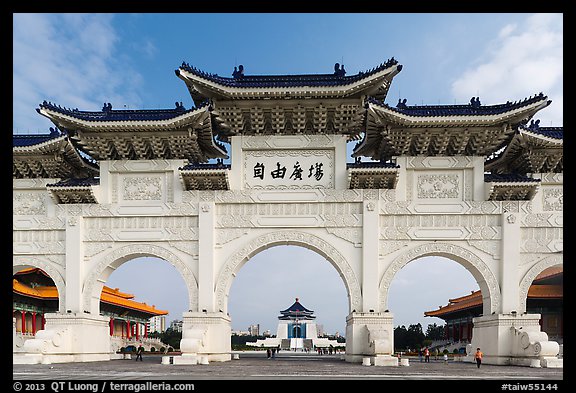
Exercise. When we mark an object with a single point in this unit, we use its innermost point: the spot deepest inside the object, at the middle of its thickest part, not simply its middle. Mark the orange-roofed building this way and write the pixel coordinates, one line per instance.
(545, 297)
(34, 295)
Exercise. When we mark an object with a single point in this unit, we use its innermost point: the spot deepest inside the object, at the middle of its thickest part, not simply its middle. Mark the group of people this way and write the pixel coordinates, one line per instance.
(271, 353)
(426, 355)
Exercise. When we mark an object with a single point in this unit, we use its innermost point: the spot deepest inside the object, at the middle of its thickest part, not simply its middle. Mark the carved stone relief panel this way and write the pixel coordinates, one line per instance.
(438, 186)
(142, 188)
(28, 203)
(553, 199)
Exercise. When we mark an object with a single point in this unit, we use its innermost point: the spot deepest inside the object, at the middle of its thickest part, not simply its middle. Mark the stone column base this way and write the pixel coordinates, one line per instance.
(68, 338)
(205, 338)
(369, 335)
(510, 339)
(385, 360)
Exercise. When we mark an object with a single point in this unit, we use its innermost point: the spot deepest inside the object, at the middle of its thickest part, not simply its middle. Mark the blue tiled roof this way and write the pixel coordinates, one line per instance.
(335, 79)
(297, 308)
(550, 132)
(512, 177)
(451, 110)
(107, 114)
(84, 182)
(192, 166)
(31, 140)
(365, 165)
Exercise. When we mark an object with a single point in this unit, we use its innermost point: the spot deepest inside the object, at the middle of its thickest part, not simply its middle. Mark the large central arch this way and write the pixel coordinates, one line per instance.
(282, 237)
(475, 265)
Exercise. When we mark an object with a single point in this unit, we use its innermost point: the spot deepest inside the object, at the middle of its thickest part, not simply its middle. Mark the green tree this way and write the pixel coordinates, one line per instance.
(435, 332)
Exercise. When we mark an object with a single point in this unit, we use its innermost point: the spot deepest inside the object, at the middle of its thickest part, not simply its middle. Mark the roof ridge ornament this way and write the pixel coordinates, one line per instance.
(238, 72)
(475, 102)
(339, 70)
(401, 104)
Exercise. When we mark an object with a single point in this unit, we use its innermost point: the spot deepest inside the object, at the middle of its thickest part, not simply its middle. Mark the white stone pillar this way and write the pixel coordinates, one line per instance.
(340, 159)
(370, 234)
(236, 178)
(509, 263)
(206, 256)
(74, 265)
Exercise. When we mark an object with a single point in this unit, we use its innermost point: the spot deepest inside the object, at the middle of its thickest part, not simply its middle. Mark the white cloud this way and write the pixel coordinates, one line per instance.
(522, 61)
(68, 59)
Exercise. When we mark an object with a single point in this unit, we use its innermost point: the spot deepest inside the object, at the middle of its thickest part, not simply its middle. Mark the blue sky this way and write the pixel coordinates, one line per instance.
(83, 60)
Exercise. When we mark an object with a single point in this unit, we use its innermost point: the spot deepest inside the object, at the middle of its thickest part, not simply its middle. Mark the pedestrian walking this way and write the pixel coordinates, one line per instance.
(274, 353)
(268, 353)
(420, 355)
(478, 356)
(445, 358)
(139, 352)
(426, 355)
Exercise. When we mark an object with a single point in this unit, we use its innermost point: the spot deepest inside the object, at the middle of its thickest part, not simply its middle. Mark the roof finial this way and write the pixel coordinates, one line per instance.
(296, 299)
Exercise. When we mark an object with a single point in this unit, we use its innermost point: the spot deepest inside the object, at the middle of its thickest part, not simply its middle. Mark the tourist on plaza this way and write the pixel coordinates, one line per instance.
(420, 355)
(268, 352)
(274, 353)
(478, 356)
(139, 353)
(445, 358)
(426, 355)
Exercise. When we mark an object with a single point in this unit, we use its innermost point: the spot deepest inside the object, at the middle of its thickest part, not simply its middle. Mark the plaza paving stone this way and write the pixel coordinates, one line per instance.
(286, 365)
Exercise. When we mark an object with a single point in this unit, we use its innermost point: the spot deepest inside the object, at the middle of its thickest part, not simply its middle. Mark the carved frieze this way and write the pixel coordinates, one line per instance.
(161, 228)
(144, 188)
(553, 199)
(438, 186)
(541, 240)
(43, 248)
(28, 203)
(352, 235)
(390, 246)
(440, 162)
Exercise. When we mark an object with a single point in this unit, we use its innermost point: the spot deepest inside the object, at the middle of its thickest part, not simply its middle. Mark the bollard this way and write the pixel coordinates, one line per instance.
(404, 362)
(235, 356)
(366, 361)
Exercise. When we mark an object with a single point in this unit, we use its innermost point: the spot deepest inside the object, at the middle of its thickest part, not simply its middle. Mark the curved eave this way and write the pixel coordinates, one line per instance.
(397, 126)
(198, 120)
(205, 179)
(377, 82)
(57, 157)
(47, 146)
(72, 194)
(130, 304)
(528, 152)
(511, 191)
(68, 121)
(511, 116)
(373, 178)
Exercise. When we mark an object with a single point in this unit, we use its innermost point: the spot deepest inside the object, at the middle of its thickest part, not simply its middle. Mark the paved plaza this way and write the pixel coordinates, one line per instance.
(286, 366)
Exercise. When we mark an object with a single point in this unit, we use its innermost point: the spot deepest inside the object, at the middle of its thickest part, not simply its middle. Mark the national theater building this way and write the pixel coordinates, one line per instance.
(545, 297)
(259, 161)
(34, 295)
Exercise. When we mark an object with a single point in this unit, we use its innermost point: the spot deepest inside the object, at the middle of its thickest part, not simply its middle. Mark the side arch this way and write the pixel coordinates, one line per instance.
(475, 265)
(21, 262)
(95, 280)
(307, 240)
(526, 282)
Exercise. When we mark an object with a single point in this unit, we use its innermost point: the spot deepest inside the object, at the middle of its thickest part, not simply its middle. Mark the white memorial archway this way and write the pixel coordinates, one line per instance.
(475, 183)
